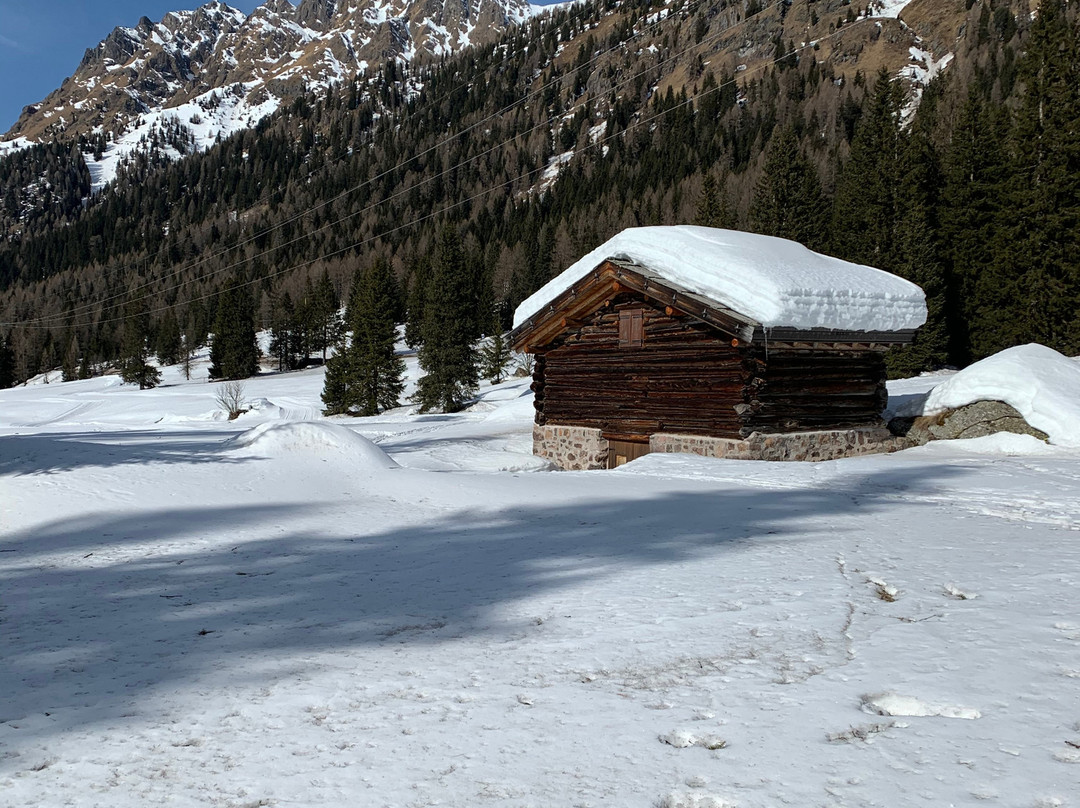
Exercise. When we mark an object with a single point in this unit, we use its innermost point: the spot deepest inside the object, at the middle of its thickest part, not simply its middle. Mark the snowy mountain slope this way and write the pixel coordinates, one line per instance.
(232, 69)
(287, 620)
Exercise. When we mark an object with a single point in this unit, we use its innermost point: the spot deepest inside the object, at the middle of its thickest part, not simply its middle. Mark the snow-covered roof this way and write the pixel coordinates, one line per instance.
(778, 283)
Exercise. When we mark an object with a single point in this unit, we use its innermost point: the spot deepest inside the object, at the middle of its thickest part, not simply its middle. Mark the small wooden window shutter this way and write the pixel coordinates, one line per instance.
(631, 328)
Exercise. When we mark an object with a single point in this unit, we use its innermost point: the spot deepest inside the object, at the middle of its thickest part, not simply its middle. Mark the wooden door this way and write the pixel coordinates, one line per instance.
(621, 452)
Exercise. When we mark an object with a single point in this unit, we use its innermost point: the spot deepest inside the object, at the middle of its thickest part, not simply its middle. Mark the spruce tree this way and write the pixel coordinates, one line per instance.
(447, 355)
(788, 202)
(340, 387)
(865, 207)
(380, 370)
(419, 280)
(326, 325)
(234, 354)
(917, 254)
(1043, 244)
(133, 366)
(495, 356)
(7, 363)
(713, 209)
(366, 377)
(187, 346)
(70, 367)
(284, 334)
(978, 290)
(167, 343)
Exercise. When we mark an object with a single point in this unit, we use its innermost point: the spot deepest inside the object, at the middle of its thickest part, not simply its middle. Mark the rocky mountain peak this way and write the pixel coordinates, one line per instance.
(181, 66)
(316, 14)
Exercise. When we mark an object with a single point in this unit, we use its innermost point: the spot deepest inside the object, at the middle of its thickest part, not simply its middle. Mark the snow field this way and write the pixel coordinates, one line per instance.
(267, 612)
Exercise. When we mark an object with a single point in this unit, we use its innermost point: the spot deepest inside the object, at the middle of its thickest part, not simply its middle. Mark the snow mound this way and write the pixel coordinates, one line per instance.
(1040, 383)
(309, 437)
(263, 408)
(771, 280)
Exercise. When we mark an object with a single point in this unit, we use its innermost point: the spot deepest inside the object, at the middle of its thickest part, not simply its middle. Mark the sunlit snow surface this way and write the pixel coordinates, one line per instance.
(268, 612)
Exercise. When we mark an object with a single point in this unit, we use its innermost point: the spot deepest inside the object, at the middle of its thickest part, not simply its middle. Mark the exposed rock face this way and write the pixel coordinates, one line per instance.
(973, 421)
(275, 52)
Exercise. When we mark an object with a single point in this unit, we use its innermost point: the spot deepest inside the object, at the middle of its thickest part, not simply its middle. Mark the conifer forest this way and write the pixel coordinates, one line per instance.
(441, 194)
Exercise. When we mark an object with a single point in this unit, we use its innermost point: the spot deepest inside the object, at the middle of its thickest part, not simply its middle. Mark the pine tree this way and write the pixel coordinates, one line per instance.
(7, 363)
(495, 356)
(133, 366)
(1043, 243)
(326, 325)
(713, 209)
(380, 370)
(284, 334)
(788, 202)
(234, 353)
(447, 355)
(367, 377)
(305, 319)
(419, 280)
(340, 387)
(70, 367)
(979, 288)
(865, 207)
(918, 256)
(187, 346)
(167, 343)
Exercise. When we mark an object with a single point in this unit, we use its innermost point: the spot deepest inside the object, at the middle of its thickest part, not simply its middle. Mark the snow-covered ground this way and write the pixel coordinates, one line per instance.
(887, 8)
(411, 610)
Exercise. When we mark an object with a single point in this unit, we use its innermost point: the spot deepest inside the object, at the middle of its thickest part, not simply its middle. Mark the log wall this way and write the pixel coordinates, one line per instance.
(688, 377)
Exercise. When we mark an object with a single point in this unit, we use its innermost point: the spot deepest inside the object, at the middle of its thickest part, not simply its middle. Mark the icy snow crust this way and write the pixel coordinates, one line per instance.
(1040, 383)
(773, 281)
(264, 611)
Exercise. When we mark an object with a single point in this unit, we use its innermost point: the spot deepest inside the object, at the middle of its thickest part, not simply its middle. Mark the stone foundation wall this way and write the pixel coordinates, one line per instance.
(573, 448)
(812, 446)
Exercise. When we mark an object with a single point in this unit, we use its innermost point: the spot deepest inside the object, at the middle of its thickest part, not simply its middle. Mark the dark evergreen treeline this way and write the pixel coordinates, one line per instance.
(975, 197)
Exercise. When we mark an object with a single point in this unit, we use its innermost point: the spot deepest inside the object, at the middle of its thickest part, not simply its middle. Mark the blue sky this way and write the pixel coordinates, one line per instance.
(43, 41)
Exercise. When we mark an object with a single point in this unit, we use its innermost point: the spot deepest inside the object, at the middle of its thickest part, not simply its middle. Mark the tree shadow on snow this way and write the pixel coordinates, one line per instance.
(51, 453)
(104, 610)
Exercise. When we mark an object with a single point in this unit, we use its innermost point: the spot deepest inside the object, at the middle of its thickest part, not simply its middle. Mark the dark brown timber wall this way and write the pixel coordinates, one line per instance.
(687, 377)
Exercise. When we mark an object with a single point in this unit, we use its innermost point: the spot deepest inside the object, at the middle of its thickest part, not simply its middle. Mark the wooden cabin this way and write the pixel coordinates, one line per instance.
(630, 360)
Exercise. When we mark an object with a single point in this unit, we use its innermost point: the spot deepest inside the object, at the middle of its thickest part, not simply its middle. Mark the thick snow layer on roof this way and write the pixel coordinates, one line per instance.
(771, 280)
(1042, 384)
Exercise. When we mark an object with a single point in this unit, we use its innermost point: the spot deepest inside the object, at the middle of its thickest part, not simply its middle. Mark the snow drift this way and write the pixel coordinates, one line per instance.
(1042, 384)
(772, 280)
(309, 437)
